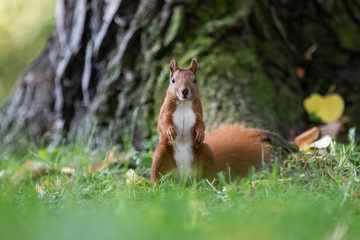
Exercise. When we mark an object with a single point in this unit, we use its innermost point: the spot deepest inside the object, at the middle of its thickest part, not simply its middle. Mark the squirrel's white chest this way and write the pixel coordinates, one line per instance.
(184, 121)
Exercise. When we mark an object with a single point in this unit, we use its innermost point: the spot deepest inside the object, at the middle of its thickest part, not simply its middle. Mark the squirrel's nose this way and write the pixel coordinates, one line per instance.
(185, 91)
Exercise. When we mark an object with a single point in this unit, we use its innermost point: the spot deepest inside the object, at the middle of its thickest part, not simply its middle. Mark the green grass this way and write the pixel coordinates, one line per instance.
(317, 198)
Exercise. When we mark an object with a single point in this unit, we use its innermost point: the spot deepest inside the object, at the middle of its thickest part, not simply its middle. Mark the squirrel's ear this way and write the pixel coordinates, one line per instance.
(193, 65)
(173, 66)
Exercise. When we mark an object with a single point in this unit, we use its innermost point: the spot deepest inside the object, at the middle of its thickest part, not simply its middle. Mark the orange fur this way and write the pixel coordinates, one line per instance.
(163, 161)
(238, 148)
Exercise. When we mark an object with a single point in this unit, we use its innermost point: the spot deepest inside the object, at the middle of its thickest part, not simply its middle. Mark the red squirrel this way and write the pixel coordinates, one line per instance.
(183, 145)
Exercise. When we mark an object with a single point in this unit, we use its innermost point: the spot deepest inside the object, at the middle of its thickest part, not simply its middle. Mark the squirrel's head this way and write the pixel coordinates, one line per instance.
(183, 84)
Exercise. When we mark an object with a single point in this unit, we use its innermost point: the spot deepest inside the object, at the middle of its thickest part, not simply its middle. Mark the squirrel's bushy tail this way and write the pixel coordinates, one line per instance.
(239, 148)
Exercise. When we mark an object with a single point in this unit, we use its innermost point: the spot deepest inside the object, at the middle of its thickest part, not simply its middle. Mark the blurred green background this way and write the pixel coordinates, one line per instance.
(24, 29)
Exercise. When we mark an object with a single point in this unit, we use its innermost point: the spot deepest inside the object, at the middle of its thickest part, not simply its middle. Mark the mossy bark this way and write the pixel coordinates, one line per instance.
(106, 66)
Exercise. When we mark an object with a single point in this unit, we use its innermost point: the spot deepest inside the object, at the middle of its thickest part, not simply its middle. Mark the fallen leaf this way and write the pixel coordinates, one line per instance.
(322, 143)
(303, 140)
(35, 168)
(332, 109)
(300, 72)
(109, 160)
(133, 179)
(329, 108)
(39, 189)
(312, 103)
(68, 171)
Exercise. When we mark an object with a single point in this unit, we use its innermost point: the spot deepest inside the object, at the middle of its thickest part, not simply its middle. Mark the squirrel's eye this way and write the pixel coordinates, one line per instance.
(172, 80)
(194, 80)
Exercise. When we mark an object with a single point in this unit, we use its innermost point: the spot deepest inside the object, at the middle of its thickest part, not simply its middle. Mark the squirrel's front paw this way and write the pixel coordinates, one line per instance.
(171, 133)
(199, 138)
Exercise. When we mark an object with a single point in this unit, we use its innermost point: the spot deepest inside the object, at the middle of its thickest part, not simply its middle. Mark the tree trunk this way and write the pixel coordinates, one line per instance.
(104, 71)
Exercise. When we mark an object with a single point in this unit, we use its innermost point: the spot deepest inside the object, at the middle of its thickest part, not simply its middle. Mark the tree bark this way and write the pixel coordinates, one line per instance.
(103, 74)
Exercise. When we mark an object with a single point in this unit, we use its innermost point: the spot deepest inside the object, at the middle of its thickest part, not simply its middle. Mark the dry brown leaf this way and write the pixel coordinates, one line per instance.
(300, 72)
(109, 160)
(35, 168)
(303, 140)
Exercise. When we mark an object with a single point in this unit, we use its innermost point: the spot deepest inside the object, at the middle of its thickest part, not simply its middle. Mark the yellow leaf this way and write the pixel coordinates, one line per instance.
(333, 109)
(329, 108)
(313, 103)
